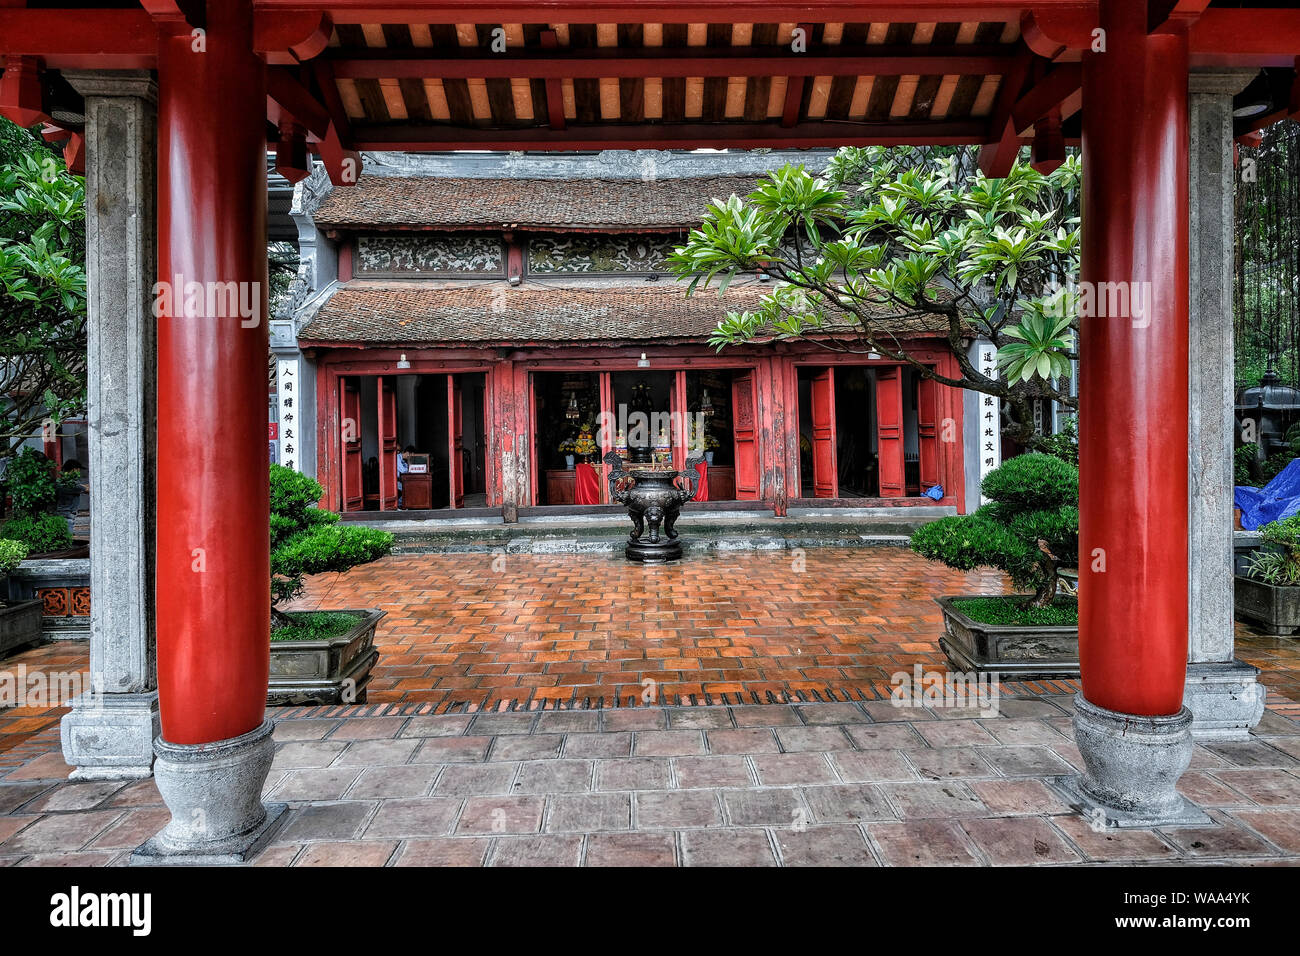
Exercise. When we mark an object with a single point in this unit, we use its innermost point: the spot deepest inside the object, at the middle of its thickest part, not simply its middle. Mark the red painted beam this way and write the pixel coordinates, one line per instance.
(80, 39)
(665, 11)
(687, 61)
(794, 87)
(554, 88)
(21, 99)
(337, 149)
(290, 95)
(998, 155)
(672, 136)
(213, 600)
(1133, 542)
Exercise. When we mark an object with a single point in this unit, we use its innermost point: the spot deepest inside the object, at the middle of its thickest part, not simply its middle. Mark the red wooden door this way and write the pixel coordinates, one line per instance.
(456, 443)
(825, 476)
(350, 443)
(889, 430)
(927, 430)
(387, 396)
(744, 428)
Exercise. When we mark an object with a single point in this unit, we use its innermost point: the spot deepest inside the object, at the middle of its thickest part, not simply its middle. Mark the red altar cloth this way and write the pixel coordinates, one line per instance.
(586, 490)
(703, 493)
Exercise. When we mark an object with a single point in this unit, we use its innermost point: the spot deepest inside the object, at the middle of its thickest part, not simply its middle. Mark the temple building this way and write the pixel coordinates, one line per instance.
(493, 310)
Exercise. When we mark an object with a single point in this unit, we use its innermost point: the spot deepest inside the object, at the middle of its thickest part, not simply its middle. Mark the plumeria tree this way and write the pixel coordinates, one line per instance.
(891, 239)
(42, 288)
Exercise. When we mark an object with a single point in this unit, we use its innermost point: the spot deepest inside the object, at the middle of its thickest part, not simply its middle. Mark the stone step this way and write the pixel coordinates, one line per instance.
(702, 532)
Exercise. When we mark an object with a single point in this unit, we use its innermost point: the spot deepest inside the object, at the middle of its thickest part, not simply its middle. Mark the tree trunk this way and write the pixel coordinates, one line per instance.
(1046, 592)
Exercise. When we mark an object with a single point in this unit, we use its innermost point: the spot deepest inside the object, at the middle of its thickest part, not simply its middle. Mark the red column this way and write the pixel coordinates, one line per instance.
(1133, 368)
(213, 593)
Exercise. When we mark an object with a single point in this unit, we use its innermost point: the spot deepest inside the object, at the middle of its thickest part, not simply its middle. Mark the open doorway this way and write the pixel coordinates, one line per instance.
(434, 421)
(861, 433)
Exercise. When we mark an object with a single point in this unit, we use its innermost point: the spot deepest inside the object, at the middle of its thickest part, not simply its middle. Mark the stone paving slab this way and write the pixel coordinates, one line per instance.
(817, 784)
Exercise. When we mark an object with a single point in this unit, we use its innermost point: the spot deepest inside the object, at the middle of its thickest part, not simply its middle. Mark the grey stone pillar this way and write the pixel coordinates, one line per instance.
(109, 732)
(1222, 693)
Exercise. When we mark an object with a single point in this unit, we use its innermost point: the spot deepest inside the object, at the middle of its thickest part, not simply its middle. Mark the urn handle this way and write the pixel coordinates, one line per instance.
(692, 476)
(616, 475)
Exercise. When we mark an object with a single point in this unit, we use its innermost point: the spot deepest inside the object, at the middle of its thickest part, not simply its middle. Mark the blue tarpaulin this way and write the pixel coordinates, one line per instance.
(1279, 499)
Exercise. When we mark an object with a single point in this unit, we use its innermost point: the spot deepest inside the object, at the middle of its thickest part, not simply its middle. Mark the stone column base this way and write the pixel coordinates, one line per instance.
(1225, 698)
(110, 736)
(1132, 765)
(214, 793)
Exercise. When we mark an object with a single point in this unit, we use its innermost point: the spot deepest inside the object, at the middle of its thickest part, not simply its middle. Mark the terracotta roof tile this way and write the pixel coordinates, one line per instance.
(495, 314)
(380, 202)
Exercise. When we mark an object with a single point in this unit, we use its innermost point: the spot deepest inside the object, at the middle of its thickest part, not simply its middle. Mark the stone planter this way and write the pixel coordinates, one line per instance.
(335, 671)
(62, 585)
(1267, 607)
(1021, 652)
(20, 624)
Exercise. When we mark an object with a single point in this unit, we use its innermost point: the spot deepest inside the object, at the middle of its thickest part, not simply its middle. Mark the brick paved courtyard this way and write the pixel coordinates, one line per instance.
(536, 766)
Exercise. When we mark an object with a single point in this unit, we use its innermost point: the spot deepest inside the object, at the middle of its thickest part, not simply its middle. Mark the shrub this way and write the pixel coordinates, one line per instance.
(308, 540)
(1273, 466)
(1063, 445)
(1028, 529)
(40, 532)
(29, 481)
(1278, 565)
(1243, 464)
(12, 554)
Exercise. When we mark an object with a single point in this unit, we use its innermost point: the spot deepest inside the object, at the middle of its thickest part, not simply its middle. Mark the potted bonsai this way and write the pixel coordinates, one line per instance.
(1029, 528)
(34, 492)
(321, 657)
(20, 621)
(1267, 596)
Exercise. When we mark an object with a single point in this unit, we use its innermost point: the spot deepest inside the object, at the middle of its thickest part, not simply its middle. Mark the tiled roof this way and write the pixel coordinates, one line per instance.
(392, 202)
(418, 314)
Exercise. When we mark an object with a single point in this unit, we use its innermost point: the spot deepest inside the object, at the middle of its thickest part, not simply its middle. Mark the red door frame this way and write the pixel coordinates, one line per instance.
(949, 407)
(335, 365)
(825, 464)
(891, 464)
(744, 440)
(386, 440)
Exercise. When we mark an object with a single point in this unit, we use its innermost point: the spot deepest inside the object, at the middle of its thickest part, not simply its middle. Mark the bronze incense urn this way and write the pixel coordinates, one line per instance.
(653, 495)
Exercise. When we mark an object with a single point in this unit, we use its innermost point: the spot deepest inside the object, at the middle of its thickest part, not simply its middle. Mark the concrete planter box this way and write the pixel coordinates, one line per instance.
(335, 671)
(1269, 608)
(1022, 652)
(20, 624)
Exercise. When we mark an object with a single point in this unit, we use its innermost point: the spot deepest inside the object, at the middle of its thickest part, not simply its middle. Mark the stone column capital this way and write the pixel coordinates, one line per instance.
(140, 84)
(1219, 81)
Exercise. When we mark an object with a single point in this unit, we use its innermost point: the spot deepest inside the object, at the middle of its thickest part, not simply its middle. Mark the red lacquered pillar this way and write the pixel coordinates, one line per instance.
(1133, 369)
(213, 577)
(1130, 725)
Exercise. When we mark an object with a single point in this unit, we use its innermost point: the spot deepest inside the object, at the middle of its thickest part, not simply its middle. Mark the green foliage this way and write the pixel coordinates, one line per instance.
(314, 625)
(1028, 529)
(1244, 465)
(12, 554)
(1063, 445)
(30, 483)
(42, 287)
(309, 540)
(40, 532)
(905, 235)
(1064, 612)
(1278, 562)
(1032, 482)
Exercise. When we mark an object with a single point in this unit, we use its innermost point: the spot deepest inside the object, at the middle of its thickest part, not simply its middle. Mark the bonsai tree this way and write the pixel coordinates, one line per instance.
(1278, 562)
(306, 539)
(911, 237)
(1029, 527)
